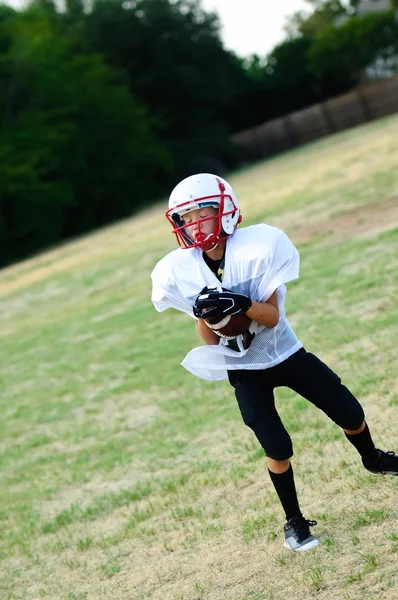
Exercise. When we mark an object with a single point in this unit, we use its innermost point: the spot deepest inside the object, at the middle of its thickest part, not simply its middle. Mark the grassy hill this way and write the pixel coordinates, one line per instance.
(123, 477)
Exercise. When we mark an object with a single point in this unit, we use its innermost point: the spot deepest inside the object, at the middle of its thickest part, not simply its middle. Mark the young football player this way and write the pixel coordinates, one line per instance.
(253, 264)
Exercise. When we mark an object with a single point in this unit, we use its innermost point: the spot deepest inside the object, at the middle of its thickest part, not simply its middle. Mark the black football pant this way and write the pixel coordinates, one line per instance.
(304, 373)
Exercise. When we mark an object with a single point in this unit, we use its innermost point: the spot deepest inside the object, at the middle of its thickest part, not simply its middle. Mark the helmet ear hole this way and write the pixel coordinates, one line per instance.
(229, 219)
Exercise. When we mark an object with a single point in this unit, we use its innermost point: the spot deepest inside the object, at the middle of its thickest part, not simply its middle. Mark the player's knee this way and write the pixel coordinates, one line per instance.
(354, 420)
(354, 426)
(279, 447)
(278, 466)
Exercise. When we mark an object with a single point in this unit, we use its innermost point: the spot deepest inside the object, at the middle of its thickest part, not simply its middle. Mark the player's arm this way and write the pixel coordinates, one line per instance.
(207, 334)
(265, 313)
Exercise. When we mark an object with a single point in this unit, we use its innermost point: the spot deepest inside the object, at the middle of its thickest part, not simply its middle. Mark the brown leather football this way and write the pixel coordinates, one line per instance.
(231, 326)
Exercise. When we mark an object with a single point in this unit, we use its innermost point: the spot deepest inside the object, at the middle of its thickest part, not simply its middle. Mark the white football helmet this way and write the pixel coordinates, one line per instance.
(196, 192)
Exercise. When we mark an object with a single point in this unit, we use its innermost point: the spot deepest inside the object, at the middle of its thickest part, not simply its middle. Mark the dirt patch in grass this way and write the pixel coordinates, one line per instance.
(363, 221)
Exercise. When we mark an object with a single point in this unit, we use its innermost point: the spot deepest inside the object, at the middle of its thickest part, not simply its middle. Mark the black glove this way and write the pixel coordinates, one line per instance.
(212, 304)
(198, 312)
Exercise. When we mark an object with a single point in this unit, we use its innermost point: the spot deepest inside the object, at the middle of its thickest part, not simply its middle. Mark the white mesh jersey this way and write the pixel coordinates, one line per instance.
(258, 260)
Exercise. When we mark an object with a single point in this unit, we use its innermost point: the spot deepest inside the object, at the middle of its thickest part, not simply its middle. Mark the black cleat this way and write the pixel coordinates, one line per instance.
(298, 536)
(385, 464)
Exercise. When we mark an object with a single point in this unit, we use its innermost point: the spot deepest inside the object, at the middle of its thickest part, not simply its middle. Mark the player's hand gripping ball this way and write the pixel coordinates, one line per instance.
(223, 311)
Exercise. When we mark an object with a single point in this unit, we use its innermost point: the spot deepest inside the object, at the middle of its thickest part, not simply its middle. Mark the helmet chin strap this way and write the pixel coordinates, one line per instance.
(212, 246)
(210, 249)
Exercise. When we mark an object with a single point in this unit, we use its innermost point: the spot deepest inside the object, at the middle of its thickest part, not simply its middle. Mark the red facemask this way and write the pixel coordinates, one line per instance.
(206, 242)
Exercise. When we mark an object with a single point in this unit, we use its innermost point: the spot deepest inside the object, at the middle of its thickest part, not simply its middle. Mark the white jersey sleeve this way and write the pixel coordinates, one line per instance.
(283, 263)
(165, 292)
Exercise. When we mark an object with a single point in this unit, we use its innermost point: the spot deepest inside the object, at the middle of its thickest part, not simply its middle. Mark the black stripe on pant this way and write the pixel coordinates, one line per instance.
(307, 375)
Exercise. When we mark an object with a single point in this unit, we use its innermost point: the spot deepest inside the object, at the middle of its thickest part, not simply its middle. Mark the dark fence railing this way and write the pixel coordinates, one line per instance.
(365, 103)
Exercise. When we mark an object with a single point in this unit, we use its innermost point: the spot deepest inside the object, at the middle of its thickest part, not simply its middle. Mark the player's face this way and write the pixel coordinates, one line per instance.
(201, 220)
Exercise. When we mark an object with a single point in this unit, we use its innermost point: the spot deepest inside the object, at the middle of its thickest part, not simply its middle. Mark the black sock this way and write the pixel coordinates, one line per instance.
(364, 444)
(286, 490)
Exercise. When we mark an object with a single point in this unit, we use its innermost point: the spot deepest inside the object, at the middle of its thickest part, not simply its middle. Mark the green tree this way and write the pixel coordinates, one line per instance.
(322, 15)
(288, 77)
(338, 57)
(174, 63)
(76, 149)
(279, 83)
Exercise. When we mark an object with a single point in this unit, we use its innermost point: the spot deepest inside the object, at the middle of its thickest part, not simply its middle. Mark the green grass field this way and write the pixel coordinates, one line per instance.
(123, 477)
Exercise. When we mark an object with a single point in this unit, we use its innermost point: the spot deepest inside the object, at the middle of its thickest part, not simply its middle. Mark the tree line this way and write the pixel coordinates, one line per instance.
(102, 110)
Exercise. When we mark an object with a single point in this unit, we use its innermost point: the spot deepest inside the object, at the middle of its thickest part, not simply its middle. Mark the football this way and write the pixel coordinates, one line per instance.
(231, 326)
